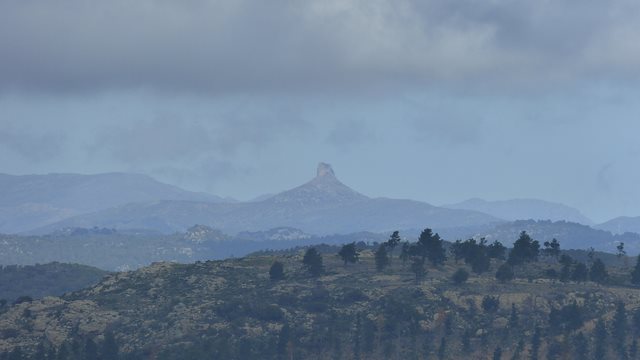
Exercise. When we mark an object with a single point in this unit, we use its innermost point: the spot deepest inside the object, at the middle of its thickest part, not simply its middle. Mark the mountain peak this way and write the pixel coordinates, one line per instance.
(325, 170)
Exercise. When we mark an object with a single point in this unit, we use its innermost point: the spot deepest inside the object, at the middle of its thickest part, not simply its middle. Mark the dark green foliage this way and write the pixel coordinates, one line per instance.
(460, 276)
(496, 250)
(567, 318)
(312, 261)
(497, 353)
(535, 343)
(90, 350)
(404, 252)
(432, 247)
(579, 272)
(474, 253)
(600, 341)
(417, 267)
(635, 274)
(442, 349)
(505, 273)
(349, 254)
(525, 249)
(110, 349)
(490, 304)
(565, 271)
(620, 252)
(381, 257)
(598, 272)
(394, 240)
(551, 248)
(513, 317)
(619, 330)
(276, 272)
(580, 346)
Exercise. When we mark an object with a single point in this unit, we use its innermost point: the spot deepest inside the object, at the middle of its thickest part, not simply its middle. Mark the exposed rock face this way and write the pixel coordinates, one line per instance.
(325, 169)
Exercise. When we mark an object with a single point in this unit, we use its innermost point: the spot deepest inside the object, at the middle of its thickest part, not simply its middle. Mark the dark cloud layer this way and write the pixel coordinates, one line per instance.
(222, 46)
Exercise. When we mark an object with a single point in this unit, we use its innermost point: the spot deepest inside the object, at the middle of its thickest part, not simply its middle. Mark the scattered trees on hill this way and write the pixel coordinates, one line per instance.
(394, 241)
(551, 248)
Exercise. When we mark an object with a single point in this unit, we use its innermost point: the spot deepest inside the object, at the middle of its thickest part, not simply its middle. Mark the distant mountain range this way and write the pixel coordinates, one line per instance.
(43, 204)
(323, 206)
(621, 225)
(524, 209)
(33, 201)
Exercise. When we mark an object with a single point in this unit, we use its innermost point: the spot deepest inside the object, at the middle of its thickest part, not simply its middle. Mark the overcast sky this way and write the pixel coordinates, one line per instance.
(435, 100)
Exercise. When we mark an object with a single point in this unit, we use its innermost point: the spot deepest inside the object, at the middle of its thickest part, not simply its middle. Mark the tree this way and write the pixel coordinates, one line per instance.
(432, 247)
(276, 272)
(90, 350)
(417, 267)
(460, 276)
(552, 248)
(620, 250)
(566, 319)
(535, 343)
(580, 346)
(635, 274)
(513, 317)
(579, 272)
(490, 304)
(496, 250)
(394, 240)
(381, 257)
(110, 349)
(619, 329)
(404, 252)
(598, 272)
(565, 272)
(497, 353)
(525, 249)
(312, 261)
(348, 253)
(505, 273)
(600, 345)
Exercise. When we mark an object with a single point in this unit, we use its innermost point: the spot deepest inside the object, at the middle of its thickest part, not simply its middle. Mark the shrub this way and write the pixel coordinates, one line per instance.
(460, 276)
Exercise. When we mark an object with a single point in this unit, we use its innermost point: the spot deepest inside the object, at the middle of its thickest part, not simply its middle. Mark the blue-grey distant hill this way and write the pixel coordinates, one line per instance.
(323, 206)
(33, 201)
(621, 225)
(524, 209)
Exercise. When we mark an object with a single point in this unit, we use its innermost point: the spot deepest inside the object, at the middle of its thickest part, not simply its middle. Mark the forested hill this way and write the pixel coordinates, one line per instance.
(477, 303)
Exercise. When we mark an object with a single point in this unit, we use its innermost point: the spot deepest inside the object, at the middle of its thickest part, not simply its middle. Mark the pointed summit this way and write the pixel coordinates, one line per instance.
(323, 190)
(325, 169)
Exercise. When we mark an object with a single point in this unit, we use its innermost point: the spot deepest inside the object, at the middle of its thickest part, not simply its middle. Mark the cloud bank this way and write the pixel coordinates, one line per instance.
(230, 46)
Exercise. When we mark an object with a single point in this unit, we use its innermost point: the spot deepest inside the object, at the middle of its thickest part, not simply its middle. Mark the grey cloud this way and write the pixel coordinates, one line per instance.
(30, 144)
(227, 46)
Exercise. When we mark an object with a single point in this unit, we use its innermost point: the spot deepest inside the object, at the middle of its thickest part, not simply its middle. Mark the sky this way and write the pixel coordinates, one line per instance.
(433, 100)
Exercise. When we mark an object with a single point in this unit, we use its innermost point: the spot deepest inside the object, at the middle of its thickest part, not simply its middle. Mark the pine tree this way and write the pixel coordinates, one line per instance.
(432, 247)
(312, 261)
(525, 249)
(90, 350)
(276, 272)
(600, 343)
(349, 254)
(619, 330)
(535, 344)
(505, 273)
(394, 240)
(513, 317)
(598, 272)
(110, 350)
(381, 257)
(580, 346)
